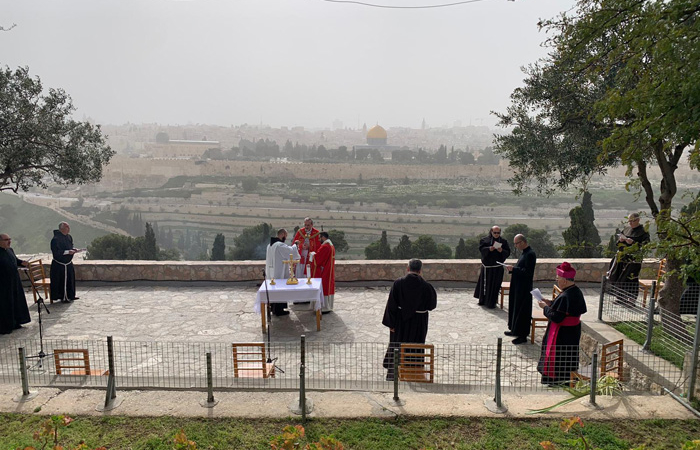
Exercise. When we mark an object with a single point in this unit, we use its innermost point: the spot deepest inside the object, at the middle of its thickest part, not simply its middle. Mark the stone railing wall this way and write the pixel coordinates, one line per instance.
(589, 270)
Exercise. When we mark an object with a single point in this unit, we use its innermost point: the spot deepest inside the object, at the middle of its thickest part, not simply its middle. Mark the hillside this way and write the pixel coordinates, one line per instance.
(31, 226)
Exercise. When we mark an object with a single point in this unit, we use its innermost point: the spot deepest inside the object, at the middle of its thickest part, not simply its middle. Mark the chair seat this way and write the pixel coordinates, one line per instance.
(83, 372)
(255, 370)
(414, 374)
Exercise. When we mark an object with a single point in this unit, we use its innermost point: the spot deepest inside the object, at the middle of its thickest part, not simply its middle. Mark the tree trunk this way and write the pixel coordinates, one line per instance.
(670, 294)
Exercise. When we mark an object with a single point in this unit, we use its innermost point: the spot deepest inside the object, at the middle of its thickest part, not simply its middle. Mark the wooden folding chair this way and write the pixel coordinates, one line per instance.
(538, 318)
(38, 279)
(611, 363)
(505, 289)
(249, 361)
(646, 284)
(417, 363)
(74, 361)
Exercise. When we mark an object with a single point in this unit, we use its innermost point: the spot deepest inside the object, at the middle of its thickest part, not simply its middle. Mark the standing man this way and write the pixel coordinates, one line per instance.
(494, 249)
(520, 298)
(13, 304)
(277, 253)
(625, 266)
(324, 268)
(308, 239)
(406, 312)
(560, 352)
(62, 270)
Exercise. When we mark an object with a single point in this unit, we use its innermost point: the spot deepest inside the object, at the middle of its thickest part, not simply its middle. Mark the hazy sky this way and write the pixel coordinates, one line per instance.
(282, 62)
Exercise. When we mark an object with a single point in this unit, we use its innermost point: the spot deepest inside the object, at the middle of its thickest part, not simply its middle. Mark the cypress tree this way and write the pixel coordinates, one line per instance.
(581, 239)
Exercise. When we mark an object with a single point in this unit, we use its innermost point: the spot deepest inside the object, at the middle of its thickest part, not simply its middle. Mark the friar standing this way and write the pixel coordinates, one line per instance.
(13, 304)
(560, 345)
(406, 312)
(62, 270)
(520, 298)
(494, 250)
(277, 253)
(324, 268)
(624, 267)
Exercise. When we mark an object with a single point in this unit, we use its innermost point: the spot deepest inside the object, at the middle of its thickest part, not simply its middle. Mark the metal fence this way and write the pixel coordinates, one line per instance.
(663, 335)
(328, 366)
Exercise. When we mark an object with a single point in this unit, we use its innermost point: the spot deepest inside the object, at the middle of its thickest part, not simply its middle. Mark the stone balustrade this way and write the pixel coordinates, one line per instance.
(451, 270)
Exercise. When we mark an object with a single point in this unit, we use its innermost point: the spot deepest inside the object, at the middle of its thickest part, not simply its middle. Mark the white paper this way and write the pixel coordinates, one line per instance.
(66, 252)
(536, 294)
(311, 256)
(497, 245)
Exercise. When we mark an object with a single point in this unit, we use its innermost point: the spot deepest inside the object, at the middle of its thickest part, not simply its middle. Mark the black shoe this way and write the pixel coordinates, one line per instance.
(76, 298)
(481, 304)
(509, 333)
(18, 326)
(390, 377)
(301, 303)
(326, 312)
(282, 313)
(519, 340)
(65, 300)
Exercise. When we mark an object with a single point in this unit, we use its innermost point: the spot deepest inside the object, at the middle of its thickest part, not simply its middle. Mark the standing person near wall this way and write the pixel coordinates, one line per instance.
(494, 250)
(520, 298)
(62, 270)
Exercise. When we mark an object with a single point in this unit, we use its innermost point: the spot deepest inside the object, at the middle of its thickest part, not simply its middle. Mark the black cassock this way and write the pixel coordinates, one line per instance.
(13, 304)
(62, 271)
(410, 299)
(520, 298)
(489, 285)
(624, 269)
(560, 352)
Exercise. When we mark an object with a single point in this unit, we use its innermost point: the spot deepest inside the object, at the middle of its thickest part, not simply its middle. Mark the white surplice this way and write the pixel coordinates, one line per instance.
(277, 253)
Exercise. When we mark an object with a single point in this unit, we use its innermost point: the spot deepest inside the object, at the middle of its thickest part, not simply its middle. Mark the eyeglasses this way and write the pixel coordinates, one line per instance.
(8, 239)
(517, 242)
(496, 232)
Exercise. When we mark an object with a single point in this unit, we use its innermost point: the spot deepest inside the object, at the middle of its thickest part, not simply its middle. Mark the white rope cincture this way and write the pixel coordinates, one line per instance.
(65, 278)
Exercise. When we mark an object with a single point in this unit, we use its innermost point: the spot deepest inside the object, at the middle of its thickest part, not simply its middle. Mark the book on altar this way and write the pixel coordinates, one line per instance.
(497, 245)
(536, 294)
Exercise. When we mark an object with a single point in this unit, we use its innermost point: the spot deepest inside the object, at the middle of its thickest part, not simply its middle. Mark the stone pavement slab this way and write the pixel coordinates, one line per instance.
(181, 312)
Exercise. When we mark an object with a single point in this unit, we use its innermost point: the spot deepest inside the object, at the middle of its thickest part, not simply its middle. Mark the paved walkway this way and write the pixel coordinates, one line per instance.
(224, 313)
(213, 316)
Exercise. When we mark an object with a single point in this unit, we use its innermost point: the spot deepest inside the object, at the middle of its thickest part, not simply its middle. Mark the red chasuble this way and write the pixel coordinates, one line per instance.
(324, 267)
(314, 244)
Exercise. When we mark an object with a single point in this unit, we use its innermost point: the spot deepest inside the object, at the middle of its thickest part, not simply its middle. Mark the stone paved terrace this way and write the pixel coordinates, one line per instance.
(162, 331)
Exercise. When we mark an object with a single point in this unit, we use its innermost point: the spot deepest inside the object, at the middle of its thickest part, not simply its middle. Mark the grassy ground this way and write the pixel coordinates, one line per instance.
(455, 433)
(31, 226)
(662, 344)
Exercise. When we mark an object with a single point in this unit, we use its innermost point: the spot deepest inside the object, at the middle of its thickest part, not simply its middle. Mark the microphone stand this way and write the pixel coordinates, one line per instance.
(39, 304)
(269, 319)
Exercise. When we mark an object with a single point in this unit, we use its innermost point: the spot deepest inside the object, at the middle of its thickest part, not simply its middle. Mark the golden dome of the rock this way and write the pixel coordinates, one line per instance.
(376, 132)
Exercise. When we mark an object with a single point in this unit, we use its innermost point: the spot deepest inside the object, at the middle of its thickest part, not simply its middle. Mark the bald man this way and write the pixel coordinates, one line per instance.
(62, 271)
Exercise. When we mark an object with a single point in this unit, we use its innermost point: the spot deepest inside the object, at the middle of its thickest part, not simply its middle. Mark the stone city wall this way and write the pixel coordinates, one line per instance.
(121, 167)
(589, 270)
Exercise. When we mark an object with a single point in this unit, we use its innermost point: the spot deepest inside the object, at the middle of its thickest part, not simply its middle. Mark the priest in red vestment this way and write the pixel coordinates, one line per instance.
(308, 241)
(324, 268)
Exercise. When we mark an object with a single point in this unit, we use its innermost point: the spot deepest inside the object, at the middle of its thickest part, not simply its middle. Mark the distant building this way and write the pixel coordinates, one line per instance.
(377, 139)
(180, 148)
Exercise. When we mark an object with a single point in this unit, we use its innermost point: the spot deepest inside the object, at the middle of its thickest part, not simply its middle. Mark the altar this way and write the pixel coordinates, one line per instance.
(280, 292)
